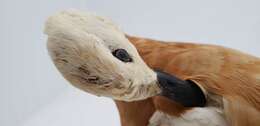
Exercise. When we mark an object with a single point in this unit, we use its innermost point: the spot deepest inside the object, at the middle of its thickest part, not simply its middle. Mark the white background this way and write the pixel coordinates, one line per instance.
(33, 93)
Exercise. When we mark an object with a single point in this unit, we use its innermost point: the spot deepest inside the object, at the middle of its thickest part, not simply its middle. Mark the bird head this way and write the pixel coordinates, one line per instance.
(93, 54)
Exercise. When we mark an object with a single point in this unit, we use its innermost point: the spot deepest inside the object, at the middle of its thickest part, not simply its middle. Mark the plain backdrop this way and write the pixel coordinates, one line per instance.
(33, 93)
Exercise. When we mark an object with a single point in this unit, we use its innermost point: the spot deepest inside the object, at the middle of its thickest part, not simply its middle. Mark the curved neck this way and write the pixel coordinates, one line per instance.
(137, 113)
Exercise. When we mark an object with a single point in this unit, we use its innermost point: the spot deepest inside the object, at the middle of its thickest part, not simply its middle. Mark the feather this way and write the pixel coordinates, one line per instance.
(230, 74)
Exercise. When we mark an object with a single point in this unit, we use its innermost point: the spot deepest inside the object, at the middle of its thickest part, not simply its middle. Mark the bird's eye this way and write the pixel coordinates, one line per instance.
(122, 55)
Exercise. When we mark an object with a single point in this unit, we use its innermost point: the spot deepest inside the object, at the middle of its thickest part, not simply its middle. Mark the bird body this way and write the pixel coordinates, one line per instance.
(153, 82)
(162, 112)
(228, 77)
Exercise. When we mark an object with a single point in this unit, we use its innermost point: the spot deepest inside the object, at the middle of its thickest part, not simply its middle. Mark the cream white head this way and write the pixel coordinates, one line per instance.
(95, 56)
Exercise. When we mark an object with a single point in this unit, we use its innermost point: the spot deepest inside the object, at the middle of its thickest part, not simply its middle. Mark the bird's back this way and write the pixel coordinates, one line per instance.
(230, 78)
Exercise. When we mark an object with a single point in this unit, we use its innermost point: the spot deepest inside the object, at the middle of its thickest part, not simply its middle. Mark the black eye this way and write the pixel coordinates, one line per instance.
(122, 55)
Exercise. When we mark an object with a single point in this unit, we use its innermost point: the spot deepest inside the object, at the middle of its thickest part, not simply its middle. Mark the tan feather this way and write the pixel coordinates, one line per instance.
(228, 73)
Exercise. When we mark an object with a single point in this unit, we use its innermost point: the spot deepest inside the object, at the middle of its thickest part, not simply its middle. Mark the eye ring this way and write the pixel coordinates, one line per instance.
(122, 55)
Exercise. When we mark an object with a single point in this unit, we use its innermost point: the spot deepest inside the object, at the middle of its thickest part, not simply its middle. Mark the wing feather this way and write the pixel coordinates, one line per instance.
(233, 75)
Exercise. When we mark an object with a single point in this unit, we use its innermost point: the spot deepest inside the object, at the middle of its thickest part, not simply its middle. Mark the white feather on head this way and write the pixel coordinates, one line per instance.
(81, 46)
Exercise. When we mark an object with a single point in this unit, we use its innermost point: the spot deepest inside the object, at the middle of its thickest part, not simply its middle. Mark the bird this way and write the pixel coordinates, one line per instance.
(155, 83)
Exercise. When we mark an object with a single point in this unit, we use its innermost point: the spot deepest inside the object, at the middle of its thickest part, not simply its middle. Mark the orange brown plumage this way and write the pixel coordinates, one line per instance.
(227, 73)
